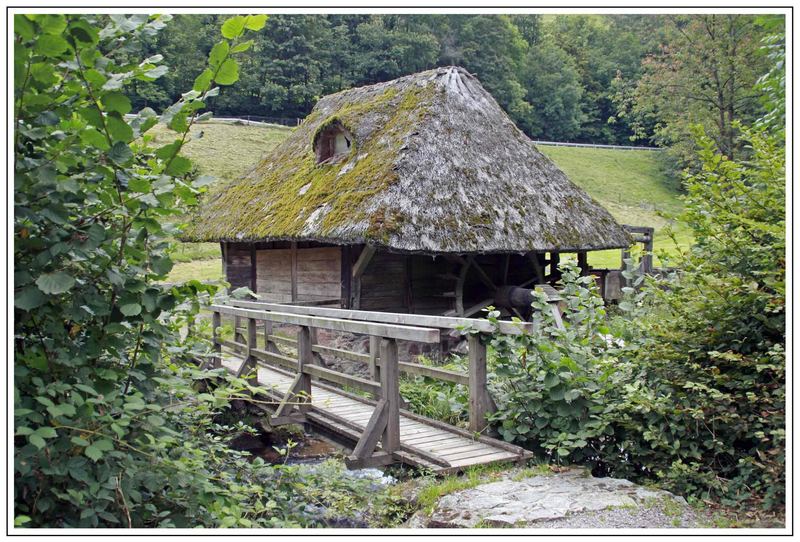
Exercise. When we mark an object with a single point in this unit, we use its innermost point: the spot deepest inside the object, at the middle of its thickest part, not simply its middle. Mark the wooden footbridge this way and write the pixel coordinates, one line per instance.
(378, 429)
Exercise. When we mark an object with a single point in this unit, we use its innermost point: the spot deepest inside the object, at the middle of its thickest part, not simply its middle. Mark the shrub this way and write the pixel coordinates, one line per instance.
(686, 385)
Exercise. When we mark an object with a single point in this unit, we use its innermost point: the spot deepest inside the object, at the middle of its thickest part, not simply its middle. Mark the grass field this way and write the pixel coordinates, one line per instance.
(629, 184)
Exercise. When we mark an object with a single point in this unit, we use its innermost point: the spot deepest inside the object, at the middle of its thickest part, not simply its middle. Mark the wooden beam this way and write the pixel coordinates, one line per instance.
(346, 276)
(294, 271)
(583, 263)
(343, 379)
(406, 333)
(374, 353)
(440, 322)
(372, 432)
(478, 404)
(363, 261)
(390, 392)
(216, 322)
(253, 268)
(358, 269)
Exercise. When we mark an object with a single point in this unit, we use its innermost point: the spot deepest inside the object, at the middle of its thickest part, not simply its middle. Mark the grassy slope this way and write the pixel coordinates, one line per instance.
(628, 183)
(226, 151)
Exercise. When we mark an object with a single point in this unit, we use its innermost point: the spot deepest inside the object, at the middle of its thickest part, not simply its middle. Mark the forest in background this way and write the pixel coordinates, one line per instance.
(609, 79)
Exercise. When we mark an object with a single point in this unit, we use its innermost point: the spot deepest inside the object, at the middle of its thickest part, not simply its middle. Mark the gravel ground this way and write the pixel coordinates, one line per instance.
(655, 517)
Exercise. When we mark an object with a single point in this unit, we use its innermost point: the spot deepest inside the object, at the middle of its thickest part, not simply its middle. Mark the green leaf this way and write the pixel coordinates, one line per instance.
(120, 153)
(218, 53)
(51, 46)
(63, 409)
(161, 265)
(228, 73)
(78, 441)
(94, 138)
(23, 27)
(116, 101)
(118, 128)
(244, 46)
(36, 440)
(551, 380)
(52, 24)
(55, 283)
(46, 432)
(140, 185)
(179, 166)
(203, 80)
(93, 453)
(104, 445)
(131, 309)
(233, 27)
(29, 298)
(255, 22)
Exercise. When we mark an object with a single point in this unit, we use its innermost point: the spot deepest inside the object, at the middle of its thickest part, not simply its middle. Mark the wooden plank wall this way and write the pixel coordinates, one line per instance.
(319, 273)
(298, 274)
(384, 283)
(237, 264)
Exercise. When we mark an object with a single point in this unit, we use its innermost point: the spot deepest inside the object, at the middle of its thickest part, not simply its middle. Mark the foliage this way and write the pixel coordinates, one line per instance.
(686, 385)
(524, 62)
(704, 74)
(554, 384)
(714, 355)
(114, 421)
(437, 399)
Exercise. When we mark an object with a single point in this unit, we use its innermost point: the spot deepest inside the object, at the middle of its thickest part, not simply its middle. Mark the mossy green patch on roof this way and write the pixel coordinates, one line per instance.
(435, 166)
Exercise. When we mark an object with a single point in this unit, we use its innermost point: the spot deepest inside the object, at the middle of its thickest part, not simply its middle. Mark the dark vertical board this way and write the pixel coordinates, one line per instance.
(253, 268)
(347, 269)
(294, 271)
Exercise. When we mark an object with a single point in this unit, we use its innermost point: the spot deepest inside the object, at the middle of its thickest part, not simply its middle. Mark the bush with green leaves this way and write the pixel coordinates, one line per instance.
(711, 400)
(553, 385)
(114, 419)
(685, 383)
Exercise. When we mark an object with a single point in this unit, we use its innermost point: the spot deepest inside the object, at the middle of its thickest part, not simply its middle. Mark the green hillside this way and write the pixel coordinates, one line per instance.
(628, 183)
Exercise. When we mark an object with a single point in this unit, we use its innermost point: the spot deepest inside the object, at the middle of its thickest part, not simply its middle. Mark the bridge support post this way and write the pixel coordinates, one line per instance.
(216, 322)
(297, 400)
(480, 402)
(390, 387)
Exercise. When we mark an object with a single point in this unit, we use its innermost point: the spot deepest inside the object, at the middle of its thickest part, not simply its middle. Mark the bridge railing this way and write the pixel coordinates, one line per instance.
(384, 330)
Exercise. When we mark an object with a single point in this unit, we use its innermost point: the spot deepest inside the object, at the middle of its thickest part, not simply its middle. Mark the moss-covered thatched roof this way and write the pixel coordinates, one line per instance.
(436, 166)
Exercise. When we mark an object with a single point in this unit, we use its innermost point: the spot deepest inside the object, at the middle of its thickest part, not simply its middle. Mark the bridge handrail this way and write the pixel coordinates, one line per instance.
(375, 329)
(440, 322)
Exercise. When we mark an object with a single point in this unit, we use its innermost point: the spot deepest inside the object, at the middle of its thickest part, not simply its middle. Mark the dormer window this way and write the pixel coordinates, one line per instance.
(333, 144)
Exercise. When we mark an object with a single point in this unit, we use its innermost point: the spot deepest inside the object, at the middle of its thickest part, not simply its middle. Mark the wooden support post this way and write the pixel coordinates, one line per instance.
(253, 268)
(298, 396)
(216, 322)
(250, 363)
(374, 347)
(269, 345)
(537, 267)
(305, 357)
(316, 358)
(237, 324)
(358, 269)
(583, 263)
(555, 274)
(294, 271)
(390, 387)
(479, 400)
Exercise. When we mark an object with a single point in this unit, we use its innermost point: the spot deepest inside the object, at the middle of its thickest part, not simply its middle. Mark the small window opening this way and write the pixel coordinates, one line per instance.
(333, 144)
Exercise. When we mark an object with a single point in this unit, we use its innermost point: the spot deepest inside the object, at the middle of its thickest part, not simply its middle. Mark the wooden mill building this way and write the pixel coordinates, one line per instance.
(416, 195)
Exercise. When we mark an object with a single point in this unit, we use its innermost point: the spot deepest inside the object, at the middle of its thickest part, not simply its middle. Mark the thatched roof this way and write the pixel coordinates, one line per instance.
(436, 166)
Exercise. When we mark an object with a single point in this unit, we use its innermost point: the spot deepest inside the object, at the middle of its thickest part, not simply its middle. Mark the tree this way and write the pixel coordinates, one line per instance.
(111, 425)
(554, 92)
(704, 74)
